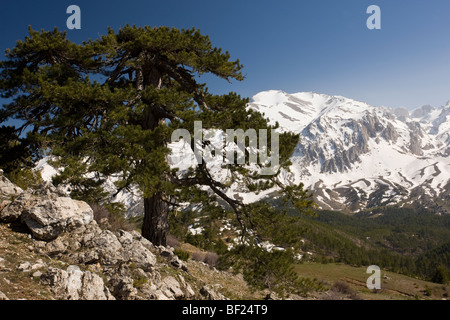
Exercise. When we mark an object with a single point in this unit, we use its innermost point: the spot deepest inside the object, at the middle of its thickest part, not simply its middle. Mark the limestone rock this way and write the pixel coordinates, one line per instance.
(122, 288)
(7, 188)
(171, 288)
(4, 204)
(104, 248)
(3, 296)
(48, 189)
(14, 209)
(75, 284)
(54, 247)
(135, 251)
(27, 266)
(49, 217)
(210, 293)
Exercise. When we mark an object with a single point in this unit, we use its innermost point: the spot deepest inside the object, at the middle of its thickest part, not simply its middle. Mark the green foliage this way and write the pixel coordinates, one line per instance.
(404, 240)
(179, 222)
(108, 108)
(183, 255)
(272, 270)
(25, 178)
(435, 263)
(120, 123)
(263, 269)
(441, 275)
(17, 155)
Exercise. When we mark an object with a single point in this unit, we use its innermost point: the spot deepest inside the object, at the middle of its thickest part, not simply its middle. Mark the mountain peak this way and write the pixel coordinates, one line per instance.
(295, 111)
(354, 155)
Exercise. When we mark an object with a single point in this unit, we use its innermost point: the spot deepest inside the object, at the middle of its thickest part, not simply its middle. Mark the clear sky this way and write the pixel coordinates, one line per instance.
(299, 45)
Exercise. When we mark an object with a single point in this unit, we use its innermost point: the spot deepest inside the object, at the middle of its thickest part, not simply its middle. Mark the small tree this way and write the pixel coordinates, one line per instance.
(441, 275)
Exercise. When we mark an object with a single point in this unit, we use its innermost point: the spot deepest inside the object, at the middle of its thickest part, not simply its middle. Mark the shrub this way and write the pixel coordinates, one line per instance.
(441, 275)
(211, 258)
(183, 255)
(198, 256)
(344, 288)
(25, 178)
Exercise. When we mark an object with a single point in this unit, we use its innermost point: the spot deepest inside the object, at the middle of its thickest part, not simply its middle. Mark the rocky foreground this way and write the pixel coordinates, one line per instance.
(52, 248)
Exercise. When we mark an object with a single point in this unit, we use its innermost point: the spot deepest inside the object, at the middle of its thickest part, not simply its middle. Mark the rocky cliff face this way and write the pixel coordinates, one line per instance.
(54, 240)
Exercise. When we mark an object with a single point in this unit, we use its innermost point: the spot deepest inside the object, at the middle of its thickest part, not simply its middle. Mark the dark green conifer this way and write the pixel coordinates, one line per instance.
(108, 107)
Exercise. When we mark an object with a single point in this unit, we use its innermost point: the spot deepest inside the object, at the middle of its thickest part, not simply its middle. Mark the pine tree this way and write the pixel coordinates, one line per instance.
(108, 108)
(17, 156)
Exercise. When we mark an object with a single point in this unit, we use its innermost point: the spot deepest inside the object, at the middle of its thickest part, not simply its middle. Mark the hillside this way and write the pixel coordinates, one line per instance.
(48, 252)
(52, 248)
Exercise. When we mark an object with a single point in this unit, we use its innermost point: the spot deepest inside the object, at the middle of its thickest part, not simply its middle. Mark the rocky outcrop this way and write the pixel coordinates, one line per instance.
(49, 217)
(415, 140)
(93, 263)
(8, 189)
(74, 284)
(46, 213)
(340, 155)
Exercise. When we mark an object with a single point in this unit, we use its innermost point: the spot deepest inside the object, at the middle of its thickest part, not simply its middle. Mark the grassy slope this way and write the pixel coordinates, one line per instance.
(393, 286)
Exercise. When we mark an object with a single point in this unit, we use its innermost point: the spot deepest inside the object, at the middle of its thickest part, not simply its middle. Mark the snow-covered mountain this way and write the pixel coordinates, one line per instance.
(350, 154)
(354, 156)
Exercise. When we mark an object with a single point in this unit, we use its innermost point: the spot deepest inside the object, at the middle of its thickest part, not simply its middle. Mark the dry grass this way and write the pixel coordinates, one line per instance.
(15, 249)
(232, 286)
(208, 257)
(173, 242)
(393, 286)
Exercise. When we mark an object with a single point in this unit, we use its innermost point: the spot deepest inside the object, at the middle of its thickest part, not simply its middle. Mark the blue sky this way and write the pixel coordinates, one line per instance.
(321, 45)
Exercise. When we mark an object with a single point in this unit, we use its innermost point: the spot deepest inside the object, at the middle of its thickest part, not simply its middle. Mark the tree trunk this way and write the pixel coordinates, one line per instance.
(156, 211)
(156, 224)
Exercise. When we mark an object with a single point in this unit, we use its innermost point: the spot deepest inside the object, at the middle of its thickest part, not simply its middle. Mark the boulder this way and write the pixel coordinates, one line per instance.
(13, 209)
(49, 217)
(102, 247)
(49, 190)
(47, 212)
(140, 256)
(55, 247)
(27, 266)
(75, 284)
(4, 204)
(171, 288)
(7, 188)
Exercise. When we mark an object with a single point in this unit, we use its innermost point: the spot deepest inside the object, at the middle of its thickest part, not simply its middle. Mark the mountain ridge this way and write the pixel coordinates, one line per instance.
(355, 156)
(351, 155)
